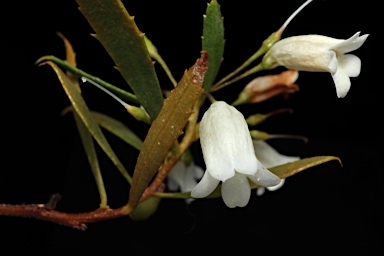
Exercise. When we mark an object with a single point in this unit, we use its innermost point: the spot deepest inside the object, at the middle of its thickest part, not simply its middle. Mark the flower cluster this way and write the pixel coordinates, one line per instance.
(229, 153)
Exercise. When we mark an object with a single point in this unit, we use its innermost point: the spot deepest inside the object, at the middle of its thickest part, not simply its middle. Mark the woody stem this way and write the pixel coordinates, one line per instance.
(74, 220)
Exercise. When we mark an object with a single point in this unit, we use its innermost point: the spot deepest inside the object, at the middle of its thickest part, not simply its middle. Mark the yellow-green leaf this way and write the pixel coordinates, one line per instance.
(116, 30)
(167, 127)
(90, 150)
(286, 170)
(71, 59)
(118, 128)
(289, 169)
(84, 113)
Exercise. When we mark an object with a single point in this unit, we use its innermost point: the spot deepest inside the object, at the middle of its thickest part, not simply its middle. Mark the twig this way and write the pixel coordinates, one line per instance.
(74, 220)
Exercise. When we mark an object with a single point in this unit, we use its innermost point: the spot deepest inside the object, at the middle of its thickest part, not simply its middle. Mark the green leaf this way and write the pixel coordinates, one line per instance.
(72, 69)
(287, 170)
(84, 113)
(118, 128)
(213, 42)
(116, 30)
(166, 128)
(90, 150)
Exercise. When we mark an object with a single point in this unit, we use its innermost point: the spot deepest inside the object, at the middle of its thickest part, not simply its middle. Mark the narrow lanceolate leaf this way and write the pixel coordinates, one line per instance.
(116, 30)
(71, 59)
(80, 73)
(213, 41)
(84, 113)
(90, 150)
(85, 135)
(167, 127)
(289, 169)
(118, 128)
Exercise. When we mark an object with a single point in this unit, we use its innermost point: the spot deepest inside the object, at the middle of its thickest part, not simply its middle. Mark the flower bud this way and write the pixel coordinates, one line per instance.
(265, 87)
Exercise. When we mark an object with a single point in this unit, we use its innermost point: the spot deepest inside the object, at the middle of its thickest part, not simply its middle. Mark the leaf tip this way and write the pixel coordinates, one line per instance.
(201, 66)
(339, 160)
(41, 59)
(66, 111)
(62, 37)
(42, 63)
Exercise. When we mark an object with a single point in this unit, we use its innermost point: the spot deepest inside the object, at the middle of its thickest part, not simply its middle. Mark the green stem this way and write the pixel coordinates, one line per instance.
(256, 55)
(166, 69)
(64, 64)
(255, 69)
(177, 195)
(155, 55)
(288, 136)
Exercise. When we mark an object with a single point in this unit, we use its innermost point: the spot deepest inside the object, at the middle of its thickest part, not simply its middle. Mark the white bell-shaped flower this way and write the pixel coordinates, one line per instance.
(270, 157)
(229, 156)
(184, 177)
(319, 53)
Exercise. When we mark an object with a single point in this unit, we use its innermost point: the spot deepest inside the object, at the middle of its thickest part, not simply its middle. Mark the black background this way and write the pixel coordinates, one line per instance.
(327, 209)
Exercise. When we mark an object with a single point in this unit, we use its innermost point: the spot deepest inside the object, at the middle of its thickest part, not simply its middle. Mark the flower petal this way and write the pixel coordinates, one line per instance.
(270, 157)
(205, 187)
(189, 181)
(273, 188)
(172, 185)
(342, 82)
(264, 177)
(246, 165)
(333, 64)
(351, 64)
(184, 176)
(302, 53)
(260, 191)
(175, 177)
(351, 44)
(198, 172)
(216, 157)
(236, 191)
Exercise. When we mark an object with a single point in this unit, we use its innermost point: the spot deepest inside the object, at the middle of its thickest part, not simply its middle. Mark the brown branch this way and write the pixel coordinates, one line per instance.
(74, 220)
(157, 184)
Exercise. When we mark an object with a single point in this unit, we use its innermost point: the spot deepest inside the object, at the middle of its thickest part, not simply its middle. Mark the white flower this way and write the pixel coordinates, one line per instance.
(319, 54)
(229, 156)
(184, 177)
(269, 157)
